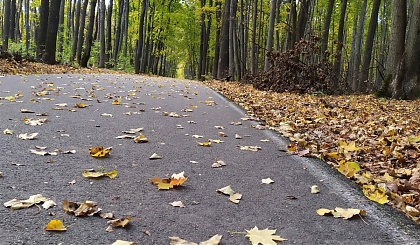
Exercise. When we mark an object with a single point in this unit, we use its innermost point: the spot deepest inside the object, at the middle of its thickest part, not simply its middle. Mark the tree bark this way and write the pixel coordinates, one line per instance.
(340, 38)
(327, 22)
(270, 36)
(42, 29)
(223, 67)
(254, 64)
(81, 35)
(51, 37)
(6, 25)
(89, 35)
(101, 24)
(77, 6)
(367, 54)
(140, 41)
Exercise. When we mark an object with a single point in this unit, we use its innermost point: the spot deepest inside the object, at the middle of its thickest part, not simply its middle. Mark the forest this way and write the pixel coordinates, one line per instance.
(316, 46)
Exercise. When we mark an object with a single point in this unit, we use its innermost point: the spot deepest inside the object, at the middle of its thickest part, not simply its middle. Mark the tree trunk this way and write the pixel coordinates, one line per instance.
(340, 38)
(254, 64)
(77, 6)
(223, 67)
(140, 41)
(232, 37)
(396, 45)
(89, 35)
(117, 42)
(270, 37)
(407, 81)
(101, 24)
(27, 27)
(6, 25)
(218, 7)
(358, 49)
(302, 19)
(12, 29)
(326, 31)
(61, 28)
(367, 54)
(42, 29)
(81, 35)
(51, 38)
(109, 30)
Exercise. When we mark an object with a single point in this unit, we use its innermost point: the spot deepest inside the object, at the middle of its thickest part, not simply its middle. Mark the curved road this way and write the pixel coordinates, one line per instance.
(286, 205)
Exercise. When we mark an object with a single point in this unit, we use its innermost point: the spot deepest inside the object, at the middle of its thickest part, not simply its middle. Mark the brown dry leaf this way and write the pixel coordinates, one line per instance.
(222, 134)
(88, 208)
(265, 237)
(55, 225)
(121, 222)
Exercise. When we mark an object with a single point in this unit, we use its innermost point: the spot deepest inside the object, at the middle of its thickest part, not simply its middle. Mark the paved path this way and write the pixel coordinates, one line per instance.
(206, 213)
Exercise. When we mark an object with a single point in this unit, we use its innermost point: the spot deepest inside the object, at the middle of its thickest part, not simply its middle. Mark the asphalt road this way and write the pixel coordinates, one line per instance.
(131, 194)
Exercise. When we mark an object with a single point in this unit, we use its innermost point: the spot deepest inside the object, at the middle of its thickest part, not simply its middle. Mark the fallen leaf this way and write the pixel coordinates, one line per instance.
(141, 139)
(121, 222)
(177, 204)
(26, 136)
(55, 225)
(154, 156)
(249, 148)
(116, 102)
(106, 115)
(375, 193)
(81, 209)
(48, 204)
(169, 183)
(214, 240)
(235, 198)
(265, 237)
(348, 169)
(100, 151)
(26, 111)
(8, 131)
(222, 134)
(314, 189)
(196, 136)
(81, 105)
(121, 242)
(43, 153)
(92, 174)
(205, 144)
(20, 204)
(216, 141)
(35, 121)
(237, 136)
(267, 181)
(218, 164)
(133, 131)
(345, 213)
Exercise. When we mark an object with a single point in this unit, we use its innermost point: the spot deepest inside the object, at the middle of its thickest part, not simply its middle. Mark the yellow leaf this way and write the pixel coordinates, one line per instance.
(141, 139)
(122, 222)
(91, 174)
(100, 151)
(80, 105)
(345, 213)
(116, 102)
(323, 211)
(376, 194)
(205, 144)
(348, 147)
(348, 169)
(55, 225)
(214, 240)
(265, 237)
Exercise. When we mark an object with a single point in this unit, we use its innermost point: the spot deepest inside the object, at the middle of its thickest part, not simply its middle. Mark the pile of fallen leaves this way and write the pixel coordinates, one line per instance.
(14, 66)
(373, 141)
(299, 70)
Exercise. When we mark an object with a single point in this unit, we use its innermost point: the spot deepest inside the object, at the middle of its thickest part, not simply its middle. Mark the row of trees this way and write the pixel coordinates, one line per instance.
(375, 45)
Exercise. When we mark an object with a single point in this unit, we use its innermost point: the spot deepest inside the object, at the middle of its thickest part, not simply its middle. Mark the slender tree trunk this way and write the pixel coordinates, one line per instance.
(6, 25)
(117, 42)
(61, 29)
(358, 49)
(232, 37)
(81, 35)
(27, 27)
(367, 55)
(327, 22)
(101, 23)
(254, 38)
(109, 30)
(77, 6)
(42, 29)
(340, 38)
(223, 67)
(89, 35)
(51, 37)
(140, 41)
(218, 41)
(12, 29)
(270, 38)
(302, 19)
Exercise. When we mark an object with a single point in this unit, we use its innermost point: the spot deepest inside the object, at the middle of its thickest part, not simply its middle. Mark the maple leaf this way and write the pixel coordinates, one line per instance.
(348, 169)
(348, 147)
(264, 237)
(233, 196)
(88, 208)
(169, 183)
(55, 225)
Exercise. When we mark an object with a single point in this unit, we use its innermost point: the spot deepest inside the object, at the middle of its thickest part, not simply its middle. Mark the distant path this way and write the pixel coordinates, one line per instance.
(143, 101)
